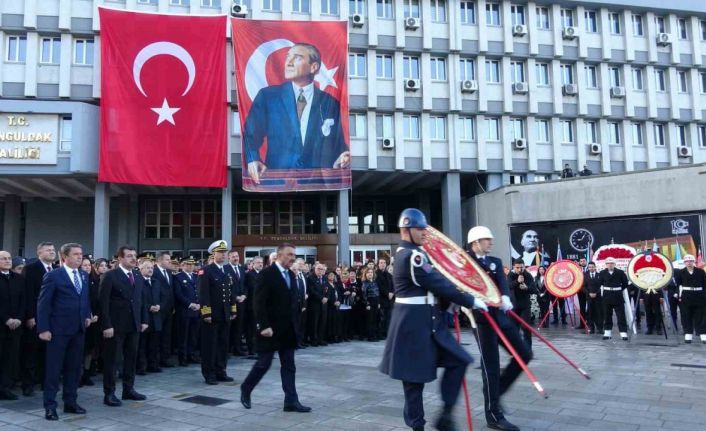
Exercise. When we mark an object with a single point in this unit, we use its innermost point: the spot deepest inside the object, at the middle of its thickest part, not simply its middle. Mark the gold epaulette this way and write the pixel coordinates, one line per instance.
(233, 309)
(205, 310)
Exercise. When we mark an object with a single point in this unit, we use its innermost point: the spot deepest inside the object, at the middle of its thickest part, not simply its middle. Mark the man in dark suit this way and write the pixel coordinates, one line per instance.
(581, 295)
(522, 286)
(275, 302)
(163, 275)
(123, 317)
(237, 273)
(594, 301)
(63, 314)
(301, 123)
(383, 278)
(154, 297)
(300, 314)
(187, 313)
(249, 318)
(317, 307)
(12, 310)
(33, 350)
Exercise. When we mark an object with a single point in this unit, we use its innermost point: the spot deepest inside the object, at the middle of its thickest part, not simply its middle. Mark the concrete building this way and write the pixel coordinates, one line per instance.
(448, 99)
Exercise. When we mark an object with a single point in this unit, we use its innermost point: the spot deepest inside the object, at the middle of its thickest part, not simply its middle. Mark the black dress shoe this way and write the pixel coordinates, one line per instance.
(245, 400)
(445, 423)
(111, 400)
(503, 425)
(296, 407)
(166, 364)
(28, 391)
(86, 380)
(50, 415)
(133, 395)
(7, 395)
(211, 381)
(225, 378)
(75, 409)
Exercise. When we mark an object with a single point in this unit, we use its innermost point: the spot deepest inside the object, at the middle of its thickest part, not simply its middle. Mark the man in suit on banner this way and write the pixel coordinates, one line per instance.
(301, 123)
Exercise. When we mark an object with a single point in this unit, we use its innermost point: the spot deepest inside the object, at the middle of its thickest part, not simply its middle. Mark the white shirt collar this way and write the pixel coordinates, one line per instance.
(70, 271)
(280, 267)
(308, 91)
(124, 270)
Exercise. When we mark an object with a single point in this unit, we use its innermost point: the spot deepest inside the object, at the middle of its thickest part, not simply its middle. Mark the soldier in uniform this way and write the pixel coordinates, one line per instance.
(613, 281)
(691, 282)
(480, 242)
(187, 313)
(419, 340)
(217, 310)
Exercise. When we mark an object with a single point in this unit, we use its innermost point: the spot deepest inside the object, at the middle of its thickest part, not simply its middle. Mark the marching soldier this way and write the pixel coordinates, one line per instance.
(217, 310)
(187, 313)
(418, 340)
(691, 282)
(613, 281)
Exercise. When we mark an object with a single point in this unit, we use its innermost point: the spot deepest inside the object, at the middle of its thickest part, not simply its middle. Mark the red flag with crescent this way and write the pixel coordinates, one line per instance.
(293, 104)
(163, 99)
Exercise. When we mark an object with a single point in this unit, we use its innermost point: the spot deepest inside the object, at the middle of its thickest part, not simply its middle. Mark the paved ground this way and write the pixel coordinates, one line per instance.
(634, 386)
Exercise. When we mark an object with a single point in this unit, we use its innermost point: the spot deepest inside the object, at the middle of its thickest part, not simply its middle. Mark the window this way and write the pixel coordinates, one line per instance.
(467, 69)
(702, 136)
(411, 8)
(236, 130)
(518, 14)
(637, 29)
(356, 7)
(437, 128)
(591, 76)
(51, 50)
(567, 132)
(271, 5)
(682, 30)
(659, 135)
(567, 73)
(540, 178)
(254, 217)
(703, 30)
(591, 19)
(66, 134)
(517, 71)
(356, 65)
(411, 67)
(205, 218)
(492, 129)
(385, 9)
(468, 128)
(438, 10)
(411, 126)
(702, 75)
(329, 7)
(682, 136)
(16, 49)
(637, 82)
(357, 125)
(567, 18)
(591, 132)
(682, 82)
(384, 126)
(468, 12)
(438, 69)
(83, 51)
(179, 2)
(636, 134)
(614, 74)
(660, 80)
(517, 179)
(542, 73)
(660, 24)
(614, 133)
(543, 18)
(542, 131)
(614, 22)
(210, 3)
(492, 14)
(517, 125)
(383, 66)
(492, 71)
(164, 218)
(300, 6)
(294, 217)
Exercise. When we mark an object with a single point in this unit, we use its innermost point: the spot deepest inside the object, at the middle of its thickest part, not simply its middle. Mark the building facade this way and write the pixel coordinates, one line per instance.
(448, 99)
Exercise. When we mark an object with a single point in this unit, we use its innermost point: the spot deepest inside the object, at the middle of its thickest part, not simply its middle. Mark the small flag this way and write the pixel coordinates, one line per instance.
(655, 247)
(558, 252)
(699, 259)
(677, 252)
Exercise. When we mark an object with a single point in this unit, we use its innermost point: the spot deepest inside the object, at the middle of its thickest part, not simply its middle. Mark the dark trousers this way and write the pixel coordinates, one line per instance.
(559, 309)
(334, 323)
(127, 345)
(320, 323)
(238, 329)
(302, 331)
(692, 316)
(582, 308)
(544, 302)
(372, 317)
(385, 311)
(187, 335)
(494, 383)
(619, 309)
(653, 312)
(313, 317)
(64, 357)
(673, 310)
(346, 331)
(287, 373)
(525, 312)
(595, 314)
(249, 330)
(33, 354)
(165, 340)
(148, 352)
(9, 355)
(214, 349)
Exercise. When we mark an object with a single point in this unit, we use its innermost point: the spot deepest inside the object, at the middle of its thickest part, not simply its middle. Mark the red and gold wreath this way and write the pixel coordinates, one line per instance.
(650, 271)
(564, 278)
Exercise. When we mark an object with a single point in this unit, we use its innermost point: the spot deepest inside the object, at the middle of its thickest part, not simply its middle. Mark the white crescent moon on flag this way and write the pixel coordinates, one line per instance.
(163, 48)
(255, 77)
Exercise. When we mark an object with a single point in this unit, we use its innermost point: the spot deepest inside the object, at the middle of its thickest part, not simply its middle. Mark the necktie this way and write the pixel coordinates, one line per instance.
(166, 276)
(237, 273)
(286, 279)
(301, 103)
(77, 283)
(131, 278)
(149, 283)
(48, 268)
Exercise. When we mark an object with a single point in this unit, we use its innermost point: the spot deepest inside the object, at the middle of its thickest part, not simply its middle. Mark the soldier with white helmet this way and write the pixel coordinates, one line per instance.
(691, 283)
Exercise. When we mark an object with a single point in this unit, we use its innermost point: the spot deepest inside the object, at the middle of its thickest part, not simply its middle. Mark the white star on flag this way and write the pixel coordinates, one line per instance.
(325, 77)
(166, 113)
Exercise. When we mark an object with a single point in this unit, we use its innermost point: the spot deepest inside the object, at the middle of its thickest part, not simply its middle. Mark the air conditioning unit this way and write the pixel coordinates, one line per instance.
(357, 20)
(617, 92)
(412, 84)
(388, 143)
(519, 144)
(520, 88)
(469, 86)
(684, 151)
(519, 30)
(596, 149)
(570, 89)
(664, 39)
(570, 32)
(238, 10)
(411, 23)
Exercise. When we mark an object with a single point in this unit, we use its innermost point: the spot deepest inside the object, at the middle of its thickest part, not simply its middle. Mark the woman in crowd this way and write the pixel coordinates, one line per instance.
(544, 297)
(371, 298)
(333, 327)
(93, 333)
(348, 297)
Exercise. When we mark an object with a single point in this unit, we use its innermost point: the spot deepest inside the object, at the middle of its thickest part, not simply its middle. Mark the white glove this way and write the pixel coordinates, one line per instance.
(479, 304)
(507, 304)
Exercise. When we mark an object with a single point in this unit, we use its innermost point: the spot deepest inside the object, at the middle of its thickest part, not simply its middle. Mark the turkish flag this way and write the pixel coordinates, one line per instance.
(163, 99)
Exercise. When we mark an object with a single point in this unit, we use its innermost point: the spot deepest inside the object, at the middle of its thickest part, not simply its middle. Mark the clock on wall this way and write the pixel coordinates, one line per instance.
(581, 239)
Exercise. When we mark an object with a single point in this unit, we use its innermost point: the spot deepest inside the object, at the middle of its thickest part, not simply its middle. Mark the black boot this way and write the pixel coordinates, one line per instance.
(445, 421)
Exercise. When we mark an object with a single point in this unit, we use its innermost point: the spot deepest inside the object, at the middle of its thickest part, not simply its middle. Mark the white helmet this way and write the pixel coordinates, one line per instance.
(479, 232)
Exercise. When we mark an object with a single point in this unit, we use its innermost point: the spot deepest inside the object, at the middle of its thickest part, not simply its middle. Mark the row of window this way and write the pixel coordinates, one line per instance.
(49, 50)
(492, 130)
(204, 3)
(171, 218)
